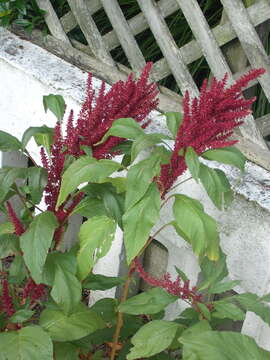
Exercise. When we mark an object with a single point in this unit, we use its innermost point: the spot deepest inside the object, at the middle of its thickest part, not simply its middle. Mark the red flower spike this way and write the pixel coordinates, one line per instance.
(176, 288)
(7, 303)
(208, 122)
(33, 291)
(19, 229)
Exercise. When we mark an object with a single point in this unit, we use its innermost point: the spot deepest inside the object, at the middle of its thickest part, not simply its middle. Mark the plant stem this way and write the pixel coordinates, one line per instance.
(119, 322)
(175, 186)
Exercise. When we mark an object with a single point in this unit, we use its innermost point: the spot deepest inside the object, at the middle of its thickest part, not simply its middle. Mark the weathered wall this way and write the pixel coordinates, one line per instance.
(28, 73)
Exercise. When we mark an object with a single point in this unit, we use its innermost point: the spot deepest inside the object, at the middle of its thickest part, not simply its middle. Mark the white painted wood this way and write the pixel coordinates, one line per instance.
(124, 34)
(168, 46)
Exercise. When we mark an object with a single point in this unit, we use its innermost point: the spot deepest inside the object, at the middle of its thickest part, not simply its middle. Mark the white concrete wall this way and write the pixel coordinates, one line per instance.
(29, 72)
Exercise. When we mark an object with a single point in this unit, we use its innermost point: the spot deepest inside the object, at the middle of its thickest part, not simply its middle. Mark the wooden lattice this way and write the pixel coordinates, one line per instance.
(96, 57)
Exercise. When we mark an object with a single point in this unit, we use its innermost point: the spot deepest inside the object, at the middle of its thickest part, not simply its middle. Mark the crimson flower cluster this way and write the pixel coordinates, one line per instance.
(33, 291)
(178, 287)
(6, 299)
(208, 122)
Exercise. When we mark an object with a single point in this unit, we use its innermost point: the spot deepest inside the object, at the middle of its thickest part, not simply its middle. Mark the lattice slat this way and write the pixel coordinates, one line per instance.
(90, 30)
(168, 46)
(52, 21)
(249, 39)
(124, 34)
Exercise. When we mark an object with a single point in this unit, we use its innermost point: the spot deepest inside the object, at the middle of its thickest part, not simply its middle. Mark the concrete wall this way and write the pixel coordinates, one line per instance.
(28, 73)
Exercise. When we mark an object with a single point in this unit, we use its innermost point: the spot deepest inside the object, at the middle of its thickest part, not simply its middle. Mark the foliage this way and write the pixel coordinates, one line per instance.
(45, 287)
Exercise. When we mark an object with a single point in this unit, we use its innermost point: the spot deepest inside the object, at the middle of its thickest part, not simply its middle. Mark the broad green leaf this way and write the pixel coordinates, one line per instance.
(95, 236)
(126, 128)
(17, 270)
(195, 330)
(228, 155)
(56, 104)
(62, 327)
(213, 271)
(8, 177)
(139, 179)
(101, 282)
(124, 147)
(224, 310)
(251, 302)
(90, 207)
(217, 186)
(197, 226)
(37, 179)
(65, 351)
(174, 120)
(41, 132)
(204, 311)
(85, 169)
(120, 183)
(114, 205)
(9, 245)
(36, 241)
(182, 275)
(67, 290)
(9, 142)
(21, 316)
(149, 302)
(106, 309)
(67, 261)
(222, 287)
(193, 163)
(6, 228)
(30, 342)
(139, 220)
(223, 345)
(145, 141)
(152, 338)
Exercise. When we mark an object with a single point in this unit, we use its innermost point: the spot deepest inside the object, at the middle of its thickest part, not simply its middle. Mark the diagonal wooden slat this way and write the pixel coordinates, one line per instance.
(124, 34)
(215, 58)
(168, 46)
(90, 30)
(249, 39)
(52, 21)
(258, 13)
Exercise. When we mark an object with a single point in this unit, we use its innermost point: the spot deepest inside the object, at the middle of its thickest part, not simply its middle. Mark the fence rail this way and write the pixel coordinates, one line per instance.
(207, 43)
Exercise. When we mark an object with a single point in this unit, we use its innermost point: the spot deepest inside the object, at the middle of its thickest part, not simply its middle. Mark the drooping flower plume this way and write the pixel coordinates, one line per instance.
(6, 299)
(208, 122)
(19, 229)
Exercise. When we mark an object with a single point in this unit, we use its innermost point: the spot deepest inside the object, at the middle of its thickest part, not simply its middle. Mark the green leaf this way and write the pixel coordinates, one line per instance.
(145, 141)
(37, 180)
(101, 282)
(106, 309)
(67, 290)
(182, 275)
(6, 228)
(17, 270)
(120, 183)
(30, 342)
(193, 163)
(126, 128)
(228, 155)
(139, 220)
(197, 227)
(21, 316)
(174, 120)
(222, 287)
(90, 207)
(213, 271)
(56, 104)
(195, 330)
(65, 351)
(85, 169)
(41, 132)
(95, 236)
(223, 345)
(149, 302)
(114, 205)
(61, 327)
(9, 245)
(139, 179)
(9, 142)
(36, 241)
(8, 177)
(152, 338)
(224, 310)
(217, 186)
(204, 310)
